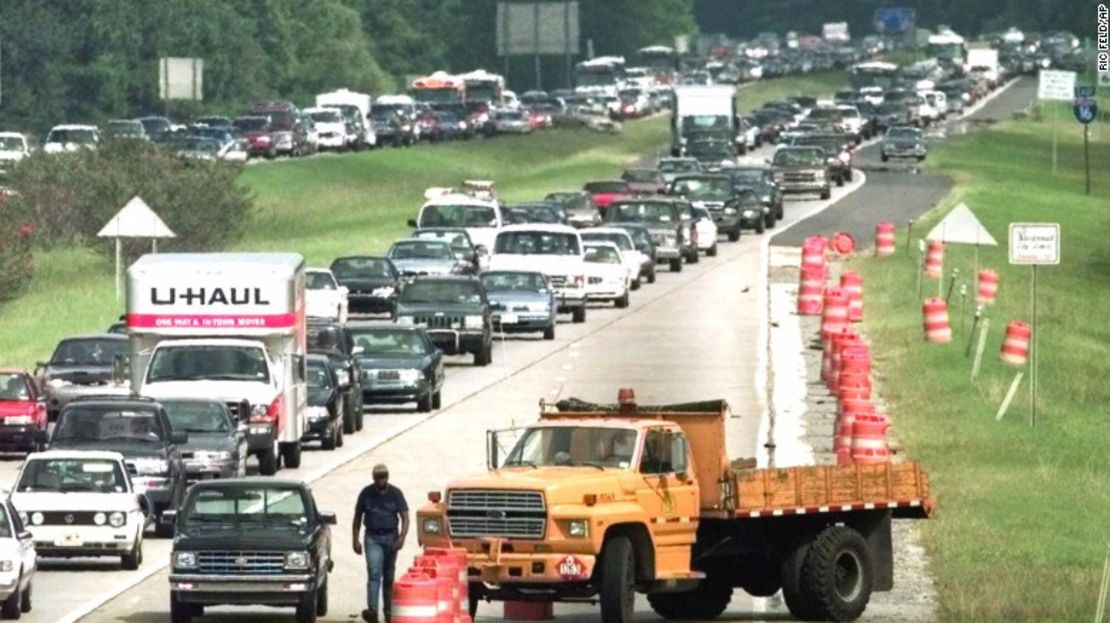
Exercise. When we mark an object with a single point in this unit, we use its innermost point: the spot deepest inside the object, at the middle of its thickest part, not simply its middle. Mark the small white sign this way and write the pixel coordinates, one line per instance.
(1055, 85)
(1035, 243)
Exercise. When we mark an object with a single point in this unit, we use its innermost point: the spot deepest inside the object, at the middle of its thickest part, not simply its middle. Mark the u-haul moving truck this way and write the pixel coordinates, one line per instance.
(230, 327)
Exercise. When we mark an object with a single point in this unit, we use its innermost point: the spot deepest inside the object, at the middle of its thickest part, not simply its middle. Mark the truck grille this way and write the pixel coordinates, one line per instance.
(799, 177)
(246, 563)
(438, 322)
(487, 513)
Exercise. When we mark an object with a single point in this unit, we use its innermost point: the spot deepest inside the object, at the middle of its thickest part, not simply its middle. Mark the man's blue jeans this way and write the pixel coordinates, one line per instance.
(381, 558)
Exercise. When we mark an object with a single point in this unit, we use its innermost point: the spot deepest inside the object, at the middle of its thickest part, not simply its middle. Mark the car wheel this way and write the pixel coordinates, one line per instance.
(306, 608)
(636, 284)
(25, 601)
(622, 301)
(676, 265)
(267, 462)
(759, 225)
(322, 600)
(359, 417)
(549, 332)
(291, 455)
(825, 194)
(424, 404)
(349, 417)
(579, 315)
(712, 251)
(884, 158)
(840, 180)
(733, 236)
(484, 356)
(179, 612)
(162, 529)
(437, 399)
(848, 175)
(132, 559)
(692, 257)
(769, 220)
(780, 213)
(327, 440)
(12, 608)
(651, 275)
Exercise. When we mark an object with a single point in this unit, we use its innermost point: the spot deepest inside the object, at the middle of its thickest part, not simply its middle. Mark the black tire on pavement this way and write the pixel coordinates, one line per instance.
(306, 608)
(769, 220)
(825, 194)
(635, 284)
(338, 434)
(760, 225)
(693, 257)
(712, 251)
(424, 405)
(848, 175)
(12, 607)
(622, 302)
(780, 213)
(549, 332)
(676, 265)
(474, 595)
(25, 601)
(618, 579)
(708, 601)
(162, 529)
(327, 440)
(267, 462)
(800, 604)
(349, 416)
(437, 399)
(359, 418)
(651, 275)
(578, 316)
(322, 600)
(837, 573)
(291, 454)
(840, 180)
(733, 236)
(132, 559)
(179, 612)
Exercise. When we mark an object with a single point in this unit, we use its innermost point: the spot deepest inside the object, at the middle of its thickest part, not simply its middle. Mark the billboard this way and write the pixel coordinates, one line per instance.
(893, 21)
(533, 28)
(181, 79)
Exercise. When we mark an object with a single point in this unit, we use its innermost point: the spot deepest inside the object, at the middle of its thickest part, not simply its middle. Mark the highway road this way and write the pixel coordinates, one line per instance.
(694, 335)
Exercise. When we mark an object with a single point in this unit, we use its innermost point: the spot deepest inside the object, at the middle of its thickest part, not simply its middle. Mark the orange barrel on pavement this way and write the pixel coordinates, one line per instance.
(934, 260)
(847, 412)
(852, 283)
(828, 354)
(937, 329)
(813, 254)
(852, 358)
(988, 286)
(1015, 347)
(811, 290)
(834, 316)
(837, 347)
(869, 439)
(884, 239)
(458, 555)
(415, 598)
(843, 243)
(854, 380)
(446, 574)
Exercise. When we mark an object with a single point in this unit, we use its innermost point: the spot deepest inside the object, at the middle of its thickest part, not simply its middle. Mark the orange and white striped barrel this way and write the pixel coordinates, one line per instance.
(937, 329)
(884, 239)
(828, 354)
(458, 555)
(415, 598)
(869, 439)
(446, 574)
(988, 286)
(934, 260)
(848, 379)
(1015, 347)
(813, 254)
(852, 283)
(837, 366)
(811, 290)
(843, 243)
(847, 412)
(834, 316)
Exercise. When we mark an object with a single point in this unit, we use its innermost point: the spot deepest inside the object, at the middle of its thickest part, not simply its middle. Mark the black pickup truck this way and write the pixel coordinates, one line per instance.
(251, 541)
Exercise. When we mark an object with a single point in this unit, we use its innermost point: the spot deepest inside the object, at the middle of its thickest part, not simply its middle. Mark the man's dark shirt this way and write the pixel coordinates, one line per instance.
(380, 510)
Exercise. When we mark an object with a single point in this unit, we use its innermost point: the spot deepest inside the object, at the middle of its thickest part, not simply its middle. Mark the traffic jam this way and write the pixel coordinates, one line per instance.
(188, 420)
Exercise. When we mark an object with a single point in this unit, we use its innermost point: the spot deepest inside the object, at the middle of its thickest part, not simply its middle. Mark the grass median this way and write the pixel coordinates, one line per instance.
(821, 84)
(1021, 532)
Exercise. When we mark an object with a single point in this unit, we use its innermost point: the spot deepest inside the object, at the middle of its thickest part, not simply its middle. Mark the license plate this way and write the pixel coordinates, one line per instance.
(68, 540)
(389, 375)
(509, 319)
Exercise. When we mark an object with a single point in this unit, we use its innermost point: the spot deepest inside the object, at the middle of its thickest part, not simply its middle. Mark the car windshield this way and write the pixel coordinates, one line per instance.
(197, 416)
(66, 475)
(319, 280)
(640, 236)
(446, 292)
(13, 387)
(573, 446)
(125, 128)
(250, 124)
(457, 240)
(711, 149)
(192, 143)
(81, 137)
(361, 268)
(326, 116)
(511, 115)
(318, 376)
(640, 175)
(514, 281)
(536, 243)
(799, 157)
(643, 212)
(606, 187)
(746, 176)
(458, 216)
(678, 166)
(83, 423)
(702, 187)
(602, 254)
(519, 214)
(88, 352)
(255, 504)
(11, 143)
(825, 113)
(830, 144)
(912, 134)
(281, 120)
(207, 362)
(421, 250)
(389, 342)
(623, 241)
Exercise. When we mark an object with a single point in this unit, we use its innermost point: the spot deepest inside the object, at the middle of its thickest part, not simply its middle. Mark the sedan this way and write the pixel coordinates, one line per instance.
(325, 404)
(217, 443)
(904, 142)
(607, 276)
(22, 411)
(16, 545)
(373, 282)
(413, 258)
(399, 365)
(521, 302)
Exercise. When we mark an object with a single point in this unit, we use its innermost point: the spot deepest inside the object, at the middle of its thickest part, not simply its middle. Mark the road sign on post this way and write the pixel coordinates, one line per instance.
(1086, 111)
(1034, 244)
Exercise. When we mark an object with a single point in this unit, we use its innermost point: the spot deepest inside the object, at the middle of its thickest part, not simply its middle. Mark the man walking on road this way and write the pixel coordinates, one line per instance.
(382, 510)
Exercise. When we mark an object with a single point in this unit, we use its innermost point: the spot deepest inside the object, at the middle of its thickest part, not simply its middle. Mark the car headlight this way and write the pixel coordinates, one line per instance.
(578, 528)
(117, 519)
(670, 239)
(99, 519)
(730, 211)
(406, 320)
(316, 413)
(383, 292)
(37, 518)
(430, 525)
(343, 376)
(258, 410)
(213, 455)
(538, 307)
(184, 560)
(151, 466)
(474, 322)
(18, 420)
(296, 560)
(57, 382)
(411, 375)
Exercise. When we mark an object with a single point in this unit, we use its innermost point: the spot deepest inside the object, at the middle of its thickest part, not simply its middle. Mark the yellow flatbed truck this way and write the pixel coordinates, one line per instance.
(593, 503)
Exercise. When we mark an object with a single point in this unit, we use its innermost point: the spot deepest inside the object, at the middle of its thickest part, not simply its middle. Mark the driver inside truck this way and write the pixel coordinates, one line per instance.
(615, 448)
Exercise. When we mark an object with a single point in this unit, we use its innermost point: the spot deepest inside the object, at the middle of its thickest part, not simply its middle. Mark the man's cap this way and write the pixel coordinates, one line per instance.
(380, 470)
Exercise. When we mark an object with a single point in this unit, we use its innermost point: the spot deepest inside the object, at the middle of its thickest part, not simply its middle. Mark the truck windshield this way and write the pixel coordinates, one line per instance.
(421, 250)
(458, 216)
(642, 212)
(703, 187)
(448, 292)
(208, 362)
(197, 416)
(65, 475)
(536, 243)
(522, 282)
(94, 352)
(99, 424)
(247, 504)
(574, 446)
(799, 157)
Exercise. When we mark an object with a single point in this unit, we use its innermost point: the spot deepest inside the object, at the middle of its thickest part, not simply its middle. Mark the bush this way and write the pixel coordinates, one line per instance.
(70, 197)
(16, 264)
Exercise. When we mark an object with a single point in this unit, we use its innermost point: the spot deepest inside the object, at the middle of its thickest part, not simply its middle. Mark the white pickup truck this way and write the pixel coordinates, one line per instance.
(554, 250)
(474, 208)
(229, 327)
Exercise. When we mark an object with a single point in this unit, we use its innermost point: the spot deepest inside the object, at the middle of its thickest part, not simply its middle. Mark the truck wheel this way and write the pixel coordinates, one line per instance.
(779, 212)
(621, 302)
(733, 236)
(800, 604)
(338, 433)
(25, 601)
(635, 284)
(840, 180)
(769, 220)
(306, 608)
(759, 225)
(132, 559)
(549, 332)
(884, 157)
(349, 421)
(359, 417)
(707, 601)
(692, 257)
(618, 579)
(848, 175)
(322, 600)
(291, 454)
(485, 356)
(179, 612)
(837, 573)
(267, 462)
(327, 440)
(676, 265)
(437, 399)
(579, 315)
(825, 194)
(712, 251)
(12, 608)
(651, 275)
(424, 404)
(474, 596)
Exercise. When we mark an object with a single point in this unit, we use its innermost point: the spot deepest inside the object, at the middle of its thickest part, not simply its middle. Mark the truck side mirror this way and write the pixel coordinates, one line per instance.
(327, 518)
(491, 449)
(179, 437)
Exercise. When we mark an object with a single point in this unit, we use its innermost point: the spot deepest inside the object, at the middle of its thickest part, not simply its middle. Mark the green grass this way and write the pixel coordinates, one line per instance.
(822, 84)
(1022, 531)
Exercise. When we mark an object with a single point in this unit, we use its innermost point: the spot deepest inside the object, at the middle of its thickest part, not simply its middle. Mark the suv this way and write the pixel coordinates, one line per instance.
(711, 192)
(578, 206)
(802, 170)
(903, 142)
(140, 430)
(250, 541)
(838, 153)
(83, 365)
(672, 230)
(287, 136)
(334, 340)
(554, 250)
(373, 283)
(761, 179)
(454, 311)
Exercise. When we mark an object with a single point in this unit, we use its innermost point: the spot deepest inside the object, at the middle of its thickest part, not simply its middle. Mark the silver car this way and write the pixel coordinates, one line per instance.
(418, 257)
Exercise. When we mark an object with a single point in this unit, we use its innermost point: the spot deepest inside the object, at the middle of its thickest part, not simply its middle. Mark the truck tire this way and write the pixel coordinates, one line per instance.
(327, 440)
(692, 257)
(840, 179)
(359, 417)
(848, 175)
(760, 226)
(474, 596)
(267, 462)
(651, 275)
(578, 316)
(134, 558)
(291, 454)
(769, 220)
(25, 601)
(349, 408)
(484, 356)
(306, 608)
(676, 265)
(549, 333)
(837, 573)
(712, 251)
(179, 612)
(825, 194)
(707, 601)
(424, 405)
(322, 600)
(800, 604)
(618, 580)
(622, 301)
(437, 399)
(12, 607)
(733, 236)
(162, 529)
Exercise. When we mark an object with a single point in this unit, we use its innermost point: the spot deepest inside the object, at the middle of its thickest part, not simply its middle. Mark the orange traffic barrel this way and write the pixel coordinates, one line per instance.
(1015, 347)
(813, 254)
(811, 290)
(854, 380)
(458, 555)
(843, 243)
(934, 260)
(834, 316)
(828, 354)
(415, 598)
(852, 283)
(884, 239)
(851, 358)
(446, 573)
(869, 439)
(937, 329)
(988, 286)
(847, 412)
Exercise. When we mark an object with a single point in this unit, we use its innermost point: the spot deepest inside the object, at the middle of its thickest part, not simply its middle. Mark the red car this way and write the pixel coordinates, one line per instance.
(607, 191)
(22, 411)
